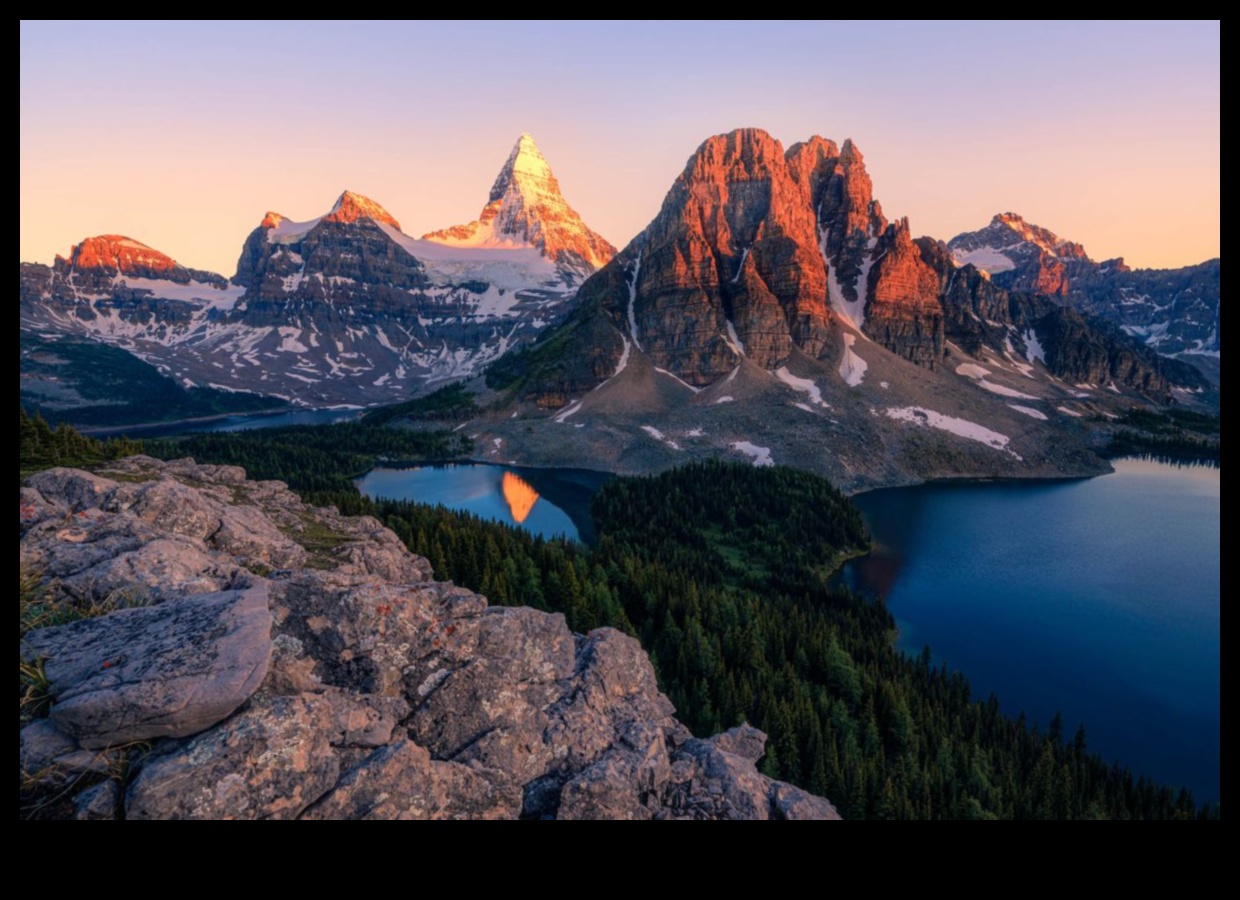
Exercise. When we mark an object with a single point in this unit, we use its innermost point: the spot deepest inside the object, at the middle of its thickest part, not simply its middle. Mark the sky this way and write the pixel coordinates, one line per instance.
(182, 135)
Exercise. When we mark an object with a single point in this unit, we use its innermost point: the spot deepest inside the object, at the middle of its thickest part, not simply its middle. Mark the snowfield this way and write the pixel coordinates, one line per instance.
(917, 415)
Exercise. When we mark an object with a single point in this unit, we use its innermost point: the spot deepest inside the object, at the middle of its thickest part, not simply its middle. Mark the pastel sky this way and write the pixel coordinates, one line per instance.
(183, 134)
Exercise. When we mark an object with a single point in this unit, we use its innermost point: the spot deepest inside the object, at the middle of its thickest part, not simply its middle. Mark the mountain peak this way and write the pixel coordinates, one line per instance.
(526, 166)
(119, 254)
(1043, 238)
(271, 220)
(525, 207)
(351, 207)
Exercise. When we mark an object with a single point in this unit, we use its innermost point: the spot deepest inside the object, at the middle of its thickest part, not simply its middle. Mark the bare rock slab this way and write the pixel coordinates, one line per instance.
(169, 670)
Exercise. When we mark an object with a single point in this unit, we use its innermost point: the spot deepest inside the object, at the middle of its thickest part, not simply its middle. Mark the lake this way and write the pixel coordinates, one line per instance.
(548, 502)
(239, 422)
(1097, 598)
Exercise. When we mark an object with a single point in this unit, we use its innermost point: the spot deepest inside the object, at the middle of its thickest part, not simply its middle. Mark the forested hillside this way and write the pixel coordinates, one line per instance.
(721, 571)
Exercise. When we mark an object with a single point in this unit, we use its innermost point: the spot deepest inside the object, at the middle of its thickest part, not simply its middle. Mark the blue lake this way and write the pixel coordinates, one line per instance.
(1097, 598)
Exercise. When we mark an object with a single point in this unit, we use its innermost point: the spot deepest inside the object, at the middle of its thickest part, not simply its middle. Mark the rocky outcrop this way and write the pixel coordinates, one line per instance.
(344, 684)
(904, 313)
(161, 671)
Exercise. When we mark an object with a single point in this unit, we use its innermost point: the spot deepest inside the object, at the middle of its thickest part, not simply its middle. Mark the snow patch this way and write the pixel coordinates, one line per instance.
(725, 400)
(804, 385)
(1068, 412)
(761, 456)
(568, 412)
(289, 342)
(637, 268)
(988, 259)
(852, 366)
(660, 436)
(1033, 347)
(971, 370)
(733, 340)
(920, 416)
(1029, 411)
(978, 374)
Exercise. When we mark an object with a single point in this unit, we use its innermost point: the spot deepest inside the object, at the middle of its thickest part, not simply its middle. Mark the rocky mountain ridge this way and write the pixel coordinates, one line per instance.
(1173, 311)
(278, 661)
(756, 250)
(343, 308)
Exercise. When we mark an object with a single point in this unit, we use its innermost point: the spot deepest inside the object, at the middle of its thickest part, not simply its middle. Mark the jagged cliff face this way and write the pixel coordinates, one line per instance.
(730, 266)
(526, 206)
(756, 252)
(979, 315)
(1171, 310)
(341, 682)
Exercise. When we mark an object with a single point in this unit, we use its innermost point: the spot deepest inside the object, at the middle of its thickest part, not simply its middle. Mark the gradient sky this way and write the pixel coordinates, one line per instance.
(183, 134)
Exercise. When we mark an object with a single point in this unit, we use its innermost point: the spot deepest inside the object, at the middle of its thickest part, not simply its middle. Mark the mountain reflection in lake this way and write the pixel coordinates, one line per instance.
(547, 502)
(520, 496)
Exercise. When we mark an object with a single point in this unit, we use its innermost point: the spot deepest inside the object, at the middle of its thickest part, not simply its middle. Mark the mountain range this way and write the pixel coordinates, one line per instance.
(769, 311)
(344, 308)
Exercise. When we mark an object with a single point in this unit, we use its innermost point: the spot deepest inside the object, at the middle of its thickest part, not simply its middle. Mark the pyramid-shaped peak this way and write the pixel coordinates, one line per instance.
(526, 167)
(351, 207)
(525, 207)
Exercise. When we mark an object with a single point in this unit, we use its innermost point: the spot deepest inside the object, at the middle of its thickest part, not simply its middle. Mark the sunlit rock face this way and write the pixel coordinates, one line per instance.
(757, 252)
(519, 495)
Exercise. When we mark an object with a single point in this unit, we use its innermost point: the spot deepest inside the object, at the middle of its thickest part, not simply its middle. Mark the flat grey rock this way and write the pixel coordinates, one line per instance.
(162, 671)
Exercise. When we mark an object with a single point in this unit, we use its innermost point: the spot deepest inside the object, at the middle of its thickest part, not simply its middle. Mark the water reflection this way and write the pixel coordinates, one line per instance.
(519, 495)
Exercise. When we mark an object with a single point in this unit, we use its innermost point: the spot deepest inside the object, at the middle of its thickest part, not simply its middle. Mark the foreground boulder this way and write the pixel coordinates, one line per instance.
(345, 684)
(161, 671)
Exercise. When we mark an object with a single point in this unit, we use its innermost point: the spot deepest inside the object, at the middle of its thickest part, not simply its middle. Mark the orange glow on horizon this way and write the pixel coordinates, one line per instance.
(519, 495)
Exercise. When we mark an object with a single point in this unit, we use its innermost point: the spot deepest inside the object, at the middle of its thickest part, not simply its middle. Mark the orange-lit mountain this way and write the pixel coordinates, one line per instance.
(98, 261)
(771, 312)
(757, 250)
(340, 308)
(526, 207)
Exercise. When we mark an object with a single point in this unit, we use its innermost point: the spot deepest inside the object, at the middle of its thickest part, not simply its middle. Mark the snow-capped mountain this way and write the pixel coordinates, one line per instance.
(340, 308)
(526, 208)
(1174, 311)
